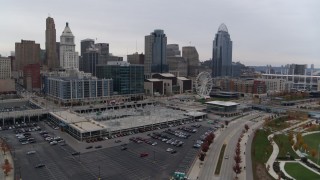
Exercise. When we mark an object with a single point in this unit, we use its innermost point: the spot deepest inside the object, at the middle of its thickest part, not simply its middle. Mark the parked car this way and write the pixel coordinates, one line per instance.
(75, 153)
(124, 148)
(40, 165)
(89, 147)
(98, 147)
(144, 154)
(31, 152)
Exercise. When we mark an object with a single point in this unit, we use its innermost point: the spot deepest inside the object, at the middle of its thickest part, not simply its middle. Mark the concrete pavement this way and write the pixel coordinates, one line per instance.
(11, 173)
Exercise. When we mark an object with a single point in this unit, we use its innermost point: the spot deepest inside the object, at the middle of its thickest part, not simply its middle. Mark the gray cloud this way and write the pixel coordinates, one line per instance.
(266, 31)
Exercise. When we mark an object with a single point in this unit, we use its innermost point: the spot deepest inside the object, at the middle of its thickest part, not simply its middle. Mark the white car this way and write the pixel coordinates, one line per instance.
(154, 144)
(53, 142)
(24, 143)
(169, 150)
(31, 152)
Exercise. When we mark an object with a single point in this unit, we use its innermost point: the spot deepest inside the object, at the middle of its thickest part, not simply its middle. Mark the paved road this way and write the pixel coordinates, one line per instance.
(229, 136)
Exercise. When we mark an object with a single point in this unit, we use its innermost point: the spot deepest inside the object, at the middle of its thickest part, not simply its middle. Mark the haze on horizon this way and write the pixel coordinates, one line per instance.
(263, 32)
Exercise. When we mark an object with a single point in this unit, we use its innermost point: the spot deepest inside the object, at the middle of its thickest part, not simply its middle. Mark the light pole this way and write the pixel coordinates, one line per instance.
(99, 173)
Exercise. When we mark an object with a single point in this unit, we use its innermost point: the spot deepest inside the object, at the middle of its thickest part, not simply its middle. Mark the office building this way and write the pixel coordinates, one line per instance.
(26, 52)
(155, 53)
(31, 77)
(69, 58)
(5, 68)
(222, 53)
(127, 78)
(85, 44)
(75, 87)
(135, 58)
(51, 51)
(191, 55)
(178, 65)
(89, 60)
(173, 50)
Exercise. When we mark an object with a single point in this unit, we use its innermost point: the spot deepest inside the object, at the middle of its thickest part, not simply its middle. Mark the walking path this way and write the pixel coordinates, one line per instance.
(2, 159)
(275, 151)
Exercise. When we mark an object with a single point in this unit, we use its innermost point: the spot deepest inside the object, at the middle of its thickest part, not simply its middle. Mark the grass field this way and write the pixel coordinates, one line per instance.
(261, 150)
(299, 172)
(312, 140)
(278, 124)
(218, 168)
(284, 146)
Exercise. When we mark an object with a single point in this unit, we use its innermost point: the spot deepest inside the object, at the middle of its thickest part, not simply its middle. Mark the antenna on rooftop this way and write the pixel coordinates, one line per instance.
(136, 46)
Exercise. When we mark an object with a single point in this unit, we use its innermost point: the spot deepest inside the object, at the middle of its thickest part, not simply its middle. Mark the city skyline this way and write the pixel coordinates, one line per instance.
(266, 32)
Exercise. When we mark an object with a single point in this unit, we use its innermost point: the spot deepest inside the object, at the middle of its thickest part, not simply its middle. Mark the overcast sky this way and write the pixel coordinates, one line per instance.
(263, 32)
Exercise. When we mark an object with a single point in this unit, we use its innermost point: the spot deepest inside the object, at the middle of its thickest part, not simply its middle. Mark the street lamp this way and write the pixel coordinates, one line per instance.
(99, 173)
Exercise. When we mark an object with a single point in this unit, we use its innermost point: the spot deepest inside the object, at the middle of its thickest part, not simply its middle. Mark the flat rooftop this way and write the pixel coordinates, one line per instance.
(128, 118)
(222, 103)
(82, 124)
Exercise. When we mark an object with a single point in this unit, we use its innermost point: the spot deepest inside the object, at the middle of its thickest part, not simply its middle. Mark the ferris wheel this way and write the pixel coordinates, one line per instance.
(203, 84)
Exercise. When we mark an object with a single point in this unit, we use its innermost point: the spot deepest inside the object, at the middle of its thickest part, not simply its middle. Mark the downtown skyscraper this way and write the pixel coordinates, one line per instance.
(69, 58)
(155, 53)
(222, 53)
(51, 49)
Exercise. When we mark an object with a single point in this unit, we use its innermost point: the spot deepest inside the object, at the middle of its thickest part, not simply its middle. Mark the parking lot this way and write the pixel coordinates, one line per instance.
(61, 162)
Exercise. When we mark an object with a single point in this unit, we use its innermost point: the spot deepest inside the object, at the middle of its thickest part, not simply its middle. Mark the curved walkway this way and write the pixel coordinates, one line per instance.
(275, 151)
(8, 156)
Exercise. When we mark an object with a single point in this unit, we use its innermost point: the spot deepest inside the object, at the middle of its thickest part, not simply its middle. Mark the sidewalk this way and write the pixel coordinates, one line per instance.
(11, 173)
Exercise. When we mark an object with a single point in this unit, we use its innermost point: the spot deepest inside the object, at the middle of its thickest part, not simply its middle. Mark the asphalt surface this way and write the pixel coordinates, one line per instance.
(106, 163)
(228, 136)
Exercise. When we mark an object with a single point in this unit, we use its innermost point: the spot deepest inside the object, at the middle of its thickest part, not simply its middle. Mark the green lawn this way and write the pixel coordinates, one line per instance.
(284, 146)
(299, 172)
(261, 150)
(261, 147)
(278, 124)
(218, 168)
(313, 142)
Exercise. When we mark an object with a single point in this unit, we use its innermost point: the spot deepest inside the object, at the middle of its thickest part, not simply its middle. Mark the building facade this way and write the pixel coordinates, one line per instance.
(190, 53)
(5, 68)
(31, 77)
(69, 58)
(70, 89)
(85, 44)
(155, 53)
(135, 58)
(222, 53)
(51, 51)
(127, 78)
(173, 50)
(26, 52)
(178, 64)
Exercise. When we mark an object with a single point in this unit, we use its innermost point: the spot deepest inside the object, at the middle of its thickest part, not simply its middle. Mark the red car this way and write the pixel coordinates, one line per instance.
(144, 154)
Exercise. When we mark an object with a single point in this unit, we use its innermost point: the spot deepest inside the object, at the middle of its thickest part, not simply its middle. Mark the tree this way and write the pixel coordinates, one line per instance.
(296, 147)
(292, 142)
(237, 159)
(237, 169)
(246, 127)
(202, 155)
(226, 123)
(208, 140)
(305, 147)
(4, 147)
(313, 153)
(7, 167)
(290, 136)
(205, 147)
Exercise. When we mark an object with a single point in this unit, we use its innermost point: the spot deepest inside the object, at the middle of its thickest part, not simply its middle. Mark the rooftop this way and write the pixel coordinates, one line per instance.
(222, 103)
(223, 28)
(80, 123)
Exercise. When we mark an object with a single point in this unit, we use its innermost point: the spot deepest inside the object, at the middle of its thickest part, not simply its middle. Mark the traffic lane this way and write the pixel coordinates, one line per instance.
(227, 171)
(207, 171)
